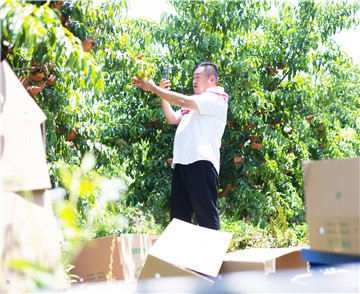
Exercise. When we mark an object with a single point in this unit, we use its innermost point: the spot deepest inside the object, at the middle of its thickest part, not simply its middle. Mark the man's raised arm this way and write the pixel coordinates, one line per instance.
(174, 98)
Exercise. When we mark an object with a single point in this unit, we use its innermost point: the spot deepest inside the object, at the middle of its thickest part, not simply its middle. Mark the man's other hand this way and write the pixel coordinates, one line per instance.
(165, 84)
(148, 85)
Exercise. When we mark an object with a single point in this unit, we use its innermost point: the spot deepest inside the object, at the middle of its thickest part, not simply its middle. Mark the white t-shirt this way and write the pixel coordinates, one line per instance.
(198, 135)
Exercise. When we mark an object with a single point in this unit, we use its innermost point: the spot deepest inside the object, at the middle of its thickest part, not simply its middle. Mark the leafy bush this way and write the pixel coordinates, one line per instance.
(277, 234)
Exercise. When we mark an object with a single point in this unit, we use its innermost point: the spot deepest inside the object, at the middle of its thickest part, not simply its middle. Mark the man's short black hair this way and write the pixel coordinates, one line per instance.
(210, 68)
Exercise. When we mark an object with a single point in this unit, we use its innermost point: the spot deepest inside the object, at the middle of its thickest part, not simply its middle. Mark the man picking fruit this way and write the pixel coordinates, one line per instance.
(196, 155)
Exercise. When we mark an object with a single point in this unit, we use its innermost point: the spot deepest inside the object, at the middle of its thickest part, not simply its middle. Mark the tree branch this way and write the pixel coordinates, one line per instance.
(28, 68)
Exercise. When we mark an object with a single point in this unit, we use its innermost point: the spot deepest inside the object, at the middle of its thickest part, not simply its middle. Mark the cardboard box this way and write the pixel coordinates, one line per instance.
(30, 236)
(332, 195)
(23, 158)
(269, 260)
(184, 249)
(30, 244)
(112, 258)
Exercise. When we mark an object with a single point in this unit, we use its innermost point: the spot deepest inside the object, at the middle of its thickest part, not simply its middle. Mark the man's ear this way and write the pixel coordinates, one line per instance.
(212, 79)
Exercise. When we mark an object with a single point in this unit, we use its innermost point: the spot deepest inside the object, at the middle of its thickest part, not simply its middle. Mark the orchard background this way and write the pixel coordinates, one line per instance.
(293, 96)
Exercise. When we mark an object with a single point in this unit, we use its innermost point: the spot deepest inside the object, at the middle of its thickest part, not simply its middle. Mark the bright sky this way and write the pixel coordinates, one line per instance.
(150, 9)
(349, 40)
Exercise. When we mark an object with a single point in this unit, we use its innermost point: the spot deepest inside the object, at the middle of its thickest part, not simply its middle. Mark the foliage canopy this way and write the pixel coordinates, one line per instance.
(294, 95)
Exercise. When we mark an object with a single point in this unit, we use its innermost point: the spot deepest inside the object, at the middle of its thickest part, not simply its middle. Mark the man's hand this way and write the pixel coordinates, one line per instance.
(174, 98)
(148, 85)
(165, 84)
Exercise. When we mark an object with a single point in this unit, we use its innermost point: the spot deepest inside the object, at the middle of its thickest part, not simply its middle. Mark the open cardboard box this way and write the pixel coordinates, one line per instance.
(332, 194)
(112, 258)
(269, 260)
(184, 249)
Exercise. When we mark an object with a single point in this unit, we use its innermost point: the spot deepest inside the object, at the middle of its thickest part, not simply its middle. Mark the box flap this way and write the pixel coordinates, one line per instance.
(98, 260)
(230, 266)
(193, 247)
(23, 157)
(267, 259)
(133, 251)
(157, 268)
(259, 254)
(18, 104)
(169, 278)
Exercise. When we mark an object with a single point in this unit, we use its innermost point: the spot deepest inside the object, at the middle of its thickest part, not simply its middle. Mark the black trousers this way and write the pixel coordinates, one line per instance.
(195, 190)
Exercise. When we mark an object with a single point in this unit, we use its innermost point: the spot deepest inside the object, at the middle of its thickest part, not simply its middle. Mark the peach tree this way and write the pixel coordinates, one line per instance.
(294, 95)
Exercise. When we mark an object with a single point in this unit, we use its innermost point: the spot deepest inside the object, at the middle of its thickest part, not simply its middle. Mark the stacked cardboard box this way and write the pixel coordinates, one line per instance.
(28, 227)
(332, 194)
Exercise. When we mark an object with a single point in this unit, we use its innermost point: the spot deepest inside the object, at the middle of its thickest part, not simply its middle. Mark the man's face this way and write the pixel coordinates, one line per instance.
(201, 81)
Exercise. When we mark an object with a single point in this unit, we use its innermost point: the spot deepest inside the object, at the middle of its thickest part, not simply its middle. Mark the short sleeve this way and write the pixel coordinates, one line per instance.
(178, 114)
(212, 104)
